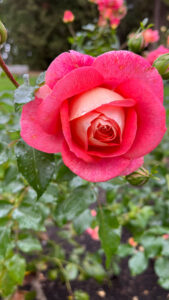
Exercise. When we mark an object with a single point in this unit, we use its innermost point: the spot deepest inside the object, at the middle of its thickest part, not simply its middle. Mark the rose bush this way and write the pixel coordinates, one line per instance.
(103, 114)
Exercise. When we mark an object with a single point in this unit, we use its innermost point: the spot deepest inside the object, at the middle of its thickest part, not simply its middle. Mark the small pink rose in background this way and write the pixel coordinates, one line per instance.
(150, 36)
(165, 236)
(68, 16)
(103, 114)
(153, 55)
(132, 242)
(111, 12)
(93, 213)
(93, 233)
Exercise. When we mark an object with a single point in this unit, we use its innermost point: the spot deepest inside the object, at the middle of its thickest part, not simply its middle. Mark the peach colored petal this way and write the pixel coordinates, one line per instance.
(43, 92)
(91, 100)
(79, 128)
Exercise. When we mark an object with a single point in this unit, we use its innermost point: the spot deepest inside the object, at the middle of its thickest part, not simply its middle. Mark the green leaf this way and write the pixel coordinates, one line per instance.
(162, 267)
(109, 237)
(3, 153)
(37, 167)
(83, 221)
(24, 94)
(94, 269)
(29, 217)
(80, 295)
(16, 268)
(5, 208)
(71, 271)
(125, 250)
(78, 201)
(63, 173)
(153, 245)
(138, 263)
(29, 244)
(5, 241)
(164, 283)
(41, 78)
(7, 285)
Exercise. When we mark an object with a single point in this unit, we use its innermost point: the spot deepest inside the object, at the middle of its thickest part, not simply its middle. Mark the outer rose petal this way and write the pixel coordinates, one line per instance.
(74, 83)
(133, 166)
(151, 57)
(101, 170)
(120, 66)
(65, 63)
(151, 118)
(43, 92)
(33, 134)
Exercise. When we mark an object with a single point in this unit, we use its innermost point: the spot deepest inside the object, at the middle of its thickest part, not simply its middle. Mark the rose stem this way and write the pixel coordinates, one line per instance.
(7, 72)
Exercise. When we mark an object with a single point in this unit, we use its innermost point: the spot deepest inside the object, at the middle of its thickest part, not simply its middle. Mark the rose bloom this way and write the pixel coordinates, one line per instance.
(93, 233)
(103, 114)
(153, 55)
(150, 36)
(68, 16)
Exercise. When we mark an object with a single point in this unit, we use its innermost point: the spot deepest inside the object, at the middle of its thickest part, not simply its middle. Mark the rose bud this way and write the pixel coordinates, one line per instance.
(153, 55)
(3, 33)
(136, 43)
(139, 177)
(162, 65)
(102, 114)
(68, 16)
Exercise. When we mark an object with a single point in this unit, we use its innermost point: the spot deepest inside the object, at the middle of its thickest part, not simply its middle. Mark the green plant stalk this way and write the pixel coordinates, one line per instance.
(7, 72)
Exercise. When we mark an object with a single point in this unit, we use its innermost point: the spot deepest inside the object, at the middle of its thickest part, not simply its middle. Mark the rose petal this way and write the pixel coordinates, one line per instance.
(114, 113)
(76, 82)
(79, 151)
(33, 134)
(128, 138)
(65, 63)
(79, 128)
(133, 166)
(97, 171)
(151, 117)
(91, 100)
(43, 92)
(119, 66)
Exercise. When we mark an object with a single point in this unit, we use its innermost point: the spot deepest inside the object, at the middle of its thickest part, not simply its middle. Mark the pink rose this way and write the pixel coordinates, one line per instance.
(150, 36)
(93, 233)
(68, 16)
(153, 55)
(103, 114)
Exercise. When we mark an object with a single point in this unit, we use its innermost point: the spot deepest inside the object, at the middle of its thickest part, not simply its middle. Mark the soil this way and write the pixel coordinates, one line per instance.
(123, 287)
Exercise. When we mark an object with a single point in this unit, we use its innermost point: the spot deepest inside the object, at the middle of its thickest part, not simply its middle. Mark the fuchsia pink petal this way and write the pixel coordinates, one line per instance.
(133, 166)
(74, 83)
(101, 170)
(64, 64)
(34, 135)
(151, 117)
(120, 66)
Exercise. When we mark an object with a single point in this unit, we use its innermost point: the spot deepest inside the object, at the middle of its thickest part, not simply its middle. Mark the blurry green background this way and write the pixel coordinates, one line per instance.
(37, 33)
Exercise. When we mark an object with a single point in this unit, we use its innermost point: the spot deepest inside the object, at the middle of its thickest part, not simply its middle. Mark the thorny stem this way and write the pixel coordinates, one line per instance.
(8, 73)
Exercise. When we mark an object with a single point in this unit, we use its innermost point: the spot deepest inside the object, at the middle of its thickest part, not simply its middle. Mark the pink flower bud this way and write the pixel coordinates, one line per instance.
(93, 233)
(150, 36)
(93, 213)
(68, 16)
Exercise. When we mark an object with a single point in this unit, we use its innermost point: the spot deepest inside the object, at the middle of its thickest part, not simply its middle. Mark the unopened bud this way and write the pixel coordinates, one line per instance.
(3, 33)
(136, 43)
(162, 65)
(68, 16)
(139, 177)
